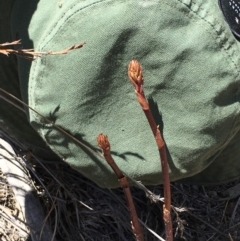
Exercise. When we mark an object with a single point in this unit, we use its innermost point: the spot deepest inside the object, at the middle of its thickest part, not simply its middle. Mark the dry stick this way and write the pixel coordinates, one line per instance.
(136, 77)
(104, 144)
(30, 53)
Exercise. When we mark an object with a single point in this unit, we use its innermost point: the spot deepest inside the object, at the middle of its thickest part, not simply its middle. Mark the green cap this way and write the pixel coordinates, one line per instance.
(190, 62)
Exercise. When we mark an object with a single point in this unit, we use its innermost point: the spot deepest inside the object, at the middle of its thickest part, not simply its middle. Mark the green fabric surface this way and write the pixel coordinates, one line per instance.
(191, 70)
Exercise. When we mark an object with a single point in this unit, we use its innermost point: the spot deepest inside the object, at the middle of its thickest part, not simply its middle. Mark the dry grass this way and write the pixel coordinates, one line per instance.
(30, 54)
(83, 211)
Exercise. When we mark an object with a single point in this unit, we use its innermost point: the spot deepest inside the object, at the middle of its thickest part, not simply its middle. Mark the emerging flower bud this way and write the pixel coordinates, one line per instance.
(103, 142)
(135, 72)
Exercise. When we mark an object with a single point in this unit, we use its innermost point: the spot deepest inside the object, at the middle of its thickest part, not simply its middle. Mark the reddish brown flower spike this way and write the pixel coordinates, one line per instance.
(103, 142)
(135, 72)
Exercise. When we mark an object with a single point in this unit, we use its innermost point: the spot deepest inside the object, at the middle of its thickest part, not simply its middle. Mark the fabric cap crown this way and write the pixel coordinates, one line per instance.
(191, 71)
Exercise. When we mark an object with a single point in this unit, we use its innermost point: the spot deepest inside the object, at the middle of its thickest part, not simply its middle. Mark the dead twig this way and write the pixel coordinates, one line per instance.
(30, 53)
(104, 144)
(136, 77)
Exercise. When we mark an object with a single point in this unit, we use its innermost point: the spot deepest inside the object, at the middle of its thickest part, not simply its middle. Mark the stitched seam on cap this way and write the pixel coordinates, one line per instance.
(65, 13)
(217, 44)
(223, 38)
(42, 61)
(42, 41)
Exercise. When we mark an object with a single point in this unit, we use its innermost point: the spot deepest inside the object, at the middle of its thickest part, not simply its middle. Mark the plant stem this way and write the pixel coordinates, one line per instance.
(136, 77)
(104, 144)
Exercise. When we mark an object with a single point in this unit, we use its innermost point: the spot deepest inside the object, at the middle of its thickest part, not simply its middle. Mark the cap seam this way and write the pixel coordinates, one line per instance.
(226, 40)
(62, 17)
(219, 35)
